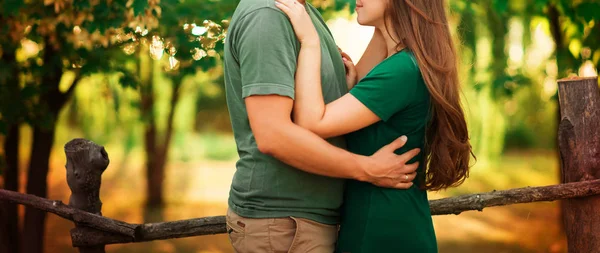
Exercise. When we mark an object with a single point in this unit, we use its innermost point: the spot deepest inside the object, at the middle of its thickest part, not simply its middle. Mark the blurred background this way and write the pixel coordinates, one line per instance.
(145, 79)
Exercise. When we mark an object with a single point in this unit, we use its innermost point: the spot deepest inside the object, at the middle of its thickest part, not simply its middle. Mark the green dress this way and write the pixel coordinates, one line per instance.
(376, 219)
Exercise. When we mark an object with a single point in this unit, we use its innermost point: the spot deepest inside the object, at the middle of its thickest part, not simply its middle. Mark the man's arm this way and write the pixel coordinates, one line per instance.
(276, 135)
(266, 48)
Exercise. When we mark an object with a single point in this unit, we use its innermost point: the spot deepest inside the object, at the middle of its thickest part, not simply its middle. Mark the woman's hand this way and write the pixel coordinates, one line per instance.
(351, 75)
(303, 26)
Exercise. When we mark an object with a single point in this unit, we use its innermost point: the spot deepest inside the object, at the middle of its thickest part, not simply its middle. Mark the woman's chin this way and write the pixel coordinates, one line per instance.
(363, 22)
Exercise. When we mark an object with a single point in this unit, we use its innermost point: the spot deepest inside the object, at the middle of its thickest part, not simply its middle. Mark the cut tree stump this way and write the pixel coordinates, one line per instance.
(86, 161)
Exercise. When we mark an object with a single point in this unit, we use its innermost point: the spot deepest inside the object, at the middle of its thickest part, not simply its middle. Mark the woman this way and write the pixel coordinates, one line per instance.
(408, 86)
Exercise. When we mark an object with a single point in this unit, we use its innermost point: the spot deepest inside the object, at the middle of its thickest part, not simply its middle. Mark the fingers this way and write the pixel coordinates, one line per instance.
(288, 6)
(403, 186)
(350, 72)
(395, 184)
(288, 3)
(409, 155)
(410, 168)
(345, 56)
(349, 65)
(405, 174)
(283, 8)
(396, 144)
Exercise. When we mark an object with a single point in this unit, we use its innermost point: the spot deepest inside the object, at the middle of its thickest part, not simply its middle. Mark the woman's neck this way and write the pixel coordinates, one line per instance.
(391, 40)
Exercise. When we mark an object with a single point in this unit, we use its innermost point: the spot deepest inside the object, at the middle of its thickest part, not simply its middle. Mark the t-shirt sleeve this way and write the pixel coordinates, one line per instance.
(267, 52)
(389, 88)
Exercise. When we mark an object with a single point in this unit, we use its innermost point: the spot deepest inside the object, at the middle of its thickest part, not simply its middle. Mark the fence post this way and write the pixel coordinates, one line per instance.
(579, 144)
(86, 161)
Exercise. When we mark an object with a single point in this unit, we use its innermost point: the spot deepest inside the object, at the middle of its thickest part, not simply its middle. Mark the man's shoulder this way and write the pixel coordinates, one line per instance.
(256, 7)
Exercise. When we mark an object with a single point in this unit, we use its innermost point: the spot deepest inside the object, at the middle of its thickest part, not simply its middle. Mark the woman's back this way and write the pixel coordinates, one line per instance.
(376, 219)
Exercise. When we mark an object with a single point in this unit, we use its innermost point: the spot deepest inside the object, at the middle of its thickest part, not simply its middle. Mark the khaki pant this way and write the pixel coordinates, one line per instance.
(275, 235)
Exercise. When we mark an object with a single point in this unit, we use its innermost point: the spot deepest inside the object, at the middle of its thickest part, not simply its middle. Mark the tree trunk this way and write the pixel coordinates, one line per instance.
(33, 232)
(154, 158)
(33, 228)
(157, 152)
(579, 141)
(4, 239)
(10, 218)
(565, 60)
(153, 173)
(51, 101)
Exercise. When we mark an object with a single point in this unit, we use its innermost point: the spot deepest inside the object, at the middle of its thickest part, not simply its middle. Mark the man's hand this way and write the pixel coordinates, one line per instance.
(387, 169)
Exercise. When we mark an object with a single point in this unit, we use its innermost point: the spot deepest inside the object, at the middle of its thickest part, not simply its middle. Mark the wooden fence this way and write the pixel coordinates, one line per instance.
(579, 144)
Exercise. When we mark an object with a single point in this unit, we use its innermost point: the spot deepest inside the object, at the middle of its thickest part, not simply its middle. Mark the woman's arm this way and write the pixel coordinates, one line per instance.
(308, 100)
(346, 114)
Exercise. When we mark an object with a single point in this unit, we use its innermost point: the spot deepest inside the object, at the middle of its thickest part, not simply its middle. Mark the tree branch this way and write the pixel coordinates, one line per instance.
(122, 232)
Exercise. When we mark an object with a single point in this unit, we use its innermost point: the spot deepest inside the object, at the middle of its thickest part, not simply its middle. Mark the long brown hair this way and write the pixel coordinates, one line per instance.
(422, 27)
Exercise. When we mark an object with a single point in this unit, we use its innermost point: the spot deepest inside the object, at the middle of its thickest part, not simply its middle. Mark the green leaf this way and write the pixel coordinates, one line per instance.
(139, 6)
(501, 6)
(81, 5)
(541, 3)
(11, 7)
(588, 11)
(101, 14)
(566, 7)
(116, 21)
(91, 26)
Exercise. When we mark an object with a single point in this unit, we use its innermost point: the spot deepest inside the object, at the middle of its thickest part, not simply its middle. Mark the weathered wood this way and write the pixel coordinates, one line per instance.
(59, 208)
(120, 232)
(457, 205)
(579, 144)
(127, 232)
(86, 161)
(183, 228)
(162, 231)
(89, 237)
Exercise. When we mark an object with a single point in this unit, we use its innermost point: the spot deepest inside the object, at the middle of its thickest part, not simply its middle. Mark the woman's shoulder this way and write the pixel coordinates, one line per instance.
(402, 65)
(403, 60)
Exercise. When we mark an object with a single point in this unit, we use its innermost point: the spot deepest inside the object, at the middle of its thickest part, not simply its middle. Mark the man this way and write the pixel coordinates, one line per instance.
(288, 186)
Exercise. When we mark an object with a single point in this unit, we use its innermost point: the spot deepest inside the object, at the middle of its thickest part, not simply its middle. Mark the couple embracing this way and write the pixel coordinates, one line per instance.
(333, 156)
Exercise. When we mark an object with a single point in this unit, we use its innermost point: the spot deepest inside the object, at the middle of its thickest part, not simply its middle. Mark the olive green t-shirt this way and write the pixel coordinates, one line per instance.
(379, 219)
(261, 52)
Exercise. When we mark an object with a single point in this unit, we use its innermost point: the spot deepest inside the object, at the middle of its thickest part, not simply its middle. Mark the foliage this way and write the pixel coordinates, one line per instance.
(45, 39)
(52, 37)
